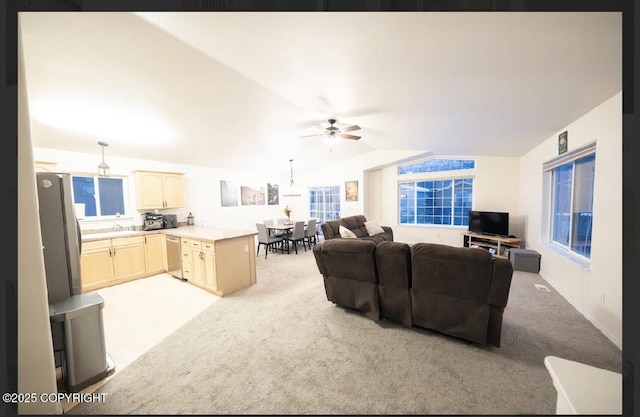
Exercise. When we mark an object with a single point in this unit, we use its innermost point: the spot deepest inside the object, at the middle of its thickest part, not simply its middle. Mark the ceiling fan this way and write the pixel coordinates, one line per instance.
(334, 132)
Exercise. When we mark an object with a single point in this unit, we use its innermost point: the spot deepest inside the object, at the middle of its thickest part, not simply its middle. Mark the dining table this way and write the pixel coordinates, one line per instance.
(285, 228)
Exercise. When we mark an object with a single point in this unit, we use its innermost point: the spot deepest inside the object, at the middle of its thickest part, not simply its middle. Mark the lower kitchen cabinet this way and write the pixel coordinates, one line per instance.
(220, 267)
(113, 261)
(199, 263)
(128, 258)
(154, 248)
(96, 265)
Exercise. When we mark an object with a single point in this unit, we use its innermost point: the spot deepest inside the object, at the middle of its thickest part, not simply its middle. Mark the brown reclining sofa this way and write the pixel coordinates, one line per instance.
(460, 292)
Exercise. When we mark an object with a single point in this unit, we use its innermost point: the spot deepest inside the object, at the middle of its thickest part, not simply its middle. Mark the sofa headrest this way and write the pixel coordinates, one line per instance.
(353, 223)
(348, 246)
(349, 258)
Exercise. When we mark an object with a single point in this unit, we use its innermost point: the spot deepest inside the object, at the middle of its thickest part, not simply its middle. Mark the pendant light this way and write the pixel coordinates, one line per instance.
(292, 191)
(103, 168)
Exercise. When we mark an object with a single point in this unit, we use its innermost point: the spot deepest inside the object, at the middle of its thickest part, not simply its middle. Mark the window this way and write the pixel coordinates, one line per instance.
(568, 202)
(436, 165)
(324, 202)
(571, 208)
(101, 196)
(440, 202)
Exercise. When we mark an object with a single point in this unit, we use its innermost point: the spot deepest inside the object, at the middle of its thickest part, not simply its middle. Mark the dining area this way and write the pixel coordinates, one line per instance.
(286, 236)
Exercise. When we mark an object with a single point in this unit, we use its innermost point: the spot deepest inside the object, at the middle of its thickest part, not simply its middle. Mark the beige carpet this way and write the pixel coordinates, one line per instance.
(137, 315)
(279, 347)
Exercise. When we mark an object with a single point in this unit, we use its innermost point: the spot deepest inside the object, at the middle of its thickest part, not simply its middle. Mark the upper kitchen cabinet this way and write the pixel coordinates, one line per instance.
(42, 166)
(159, 190)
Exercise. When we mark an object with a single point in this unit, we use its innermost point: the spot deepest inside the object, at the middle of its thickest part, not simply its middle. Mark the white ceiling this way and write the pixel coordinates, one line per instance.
(236, 89)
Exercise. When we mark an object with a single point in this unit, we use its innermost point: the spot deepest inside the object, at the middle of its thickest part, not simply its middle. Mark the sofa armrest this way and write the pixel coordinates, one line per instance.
(389, 230)
(327, 231)
(500, 282)
(317, 253)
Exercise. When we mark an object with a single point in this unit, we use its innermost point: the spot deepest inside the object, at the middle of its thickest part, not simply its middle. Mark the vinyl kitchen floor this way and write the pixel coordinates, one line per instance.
(138, 314)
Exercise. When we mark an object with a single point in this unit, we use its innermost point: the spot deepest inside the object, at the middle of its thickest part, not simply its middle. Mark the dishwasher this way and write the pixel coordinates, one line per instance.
(174, 256)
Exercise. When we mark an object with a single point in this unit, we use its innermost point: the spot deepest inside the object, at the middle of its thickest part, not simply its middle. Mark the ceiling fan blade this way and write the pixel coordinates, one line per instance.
(346, 136)
(350, 128)
(312, 136)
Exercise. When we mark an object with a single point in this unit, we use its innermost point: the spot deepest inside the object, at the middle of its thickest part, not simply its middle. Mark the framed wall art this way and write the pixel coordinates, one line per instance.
(351, 190)
(229, 193)
(563, 142)
(252, 196)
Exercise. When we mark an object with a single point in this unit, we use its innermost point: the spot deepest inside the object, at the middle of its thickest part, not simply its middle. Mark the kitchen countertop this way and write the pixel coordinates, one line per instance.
(191, 232)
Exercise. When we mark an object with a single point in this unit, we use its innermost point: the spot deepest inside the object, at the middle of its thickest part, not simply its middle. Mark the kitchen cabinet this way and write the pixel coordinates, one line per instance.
(187, 266)
(199, 263)
(158, 190)
(96, 265)
(112, 261)
(128, 258)
(42, 166)
(153, 251)
(222, 265)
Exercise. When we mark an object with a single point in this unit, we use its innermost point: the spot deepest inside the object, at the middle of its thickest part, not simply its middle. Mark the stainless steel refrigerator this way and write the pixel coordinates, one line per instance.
(76, 319)
(61, 237)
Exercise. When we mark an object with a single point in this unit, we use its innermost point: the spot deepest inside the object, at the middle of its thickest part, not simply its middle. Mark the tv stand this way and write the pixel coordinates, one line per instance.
(498, 245)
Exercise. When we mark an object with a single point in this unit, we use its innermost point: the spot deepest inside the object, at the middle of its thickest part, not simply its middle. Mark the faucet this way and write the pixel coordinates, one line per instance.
(117, 227)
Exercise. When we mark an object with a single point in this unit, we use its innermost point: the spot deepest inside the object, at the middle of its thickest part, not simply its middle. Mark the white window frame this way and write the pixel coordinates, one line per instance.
(438, 177)
(548, 195)
(125, 195)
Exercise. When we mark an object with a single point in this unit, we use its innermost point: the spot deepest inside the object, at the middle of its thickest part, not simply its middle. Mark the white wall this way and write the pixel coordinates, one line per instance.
(36, 366)
(370, 195)
(201, 189)
(584, 287)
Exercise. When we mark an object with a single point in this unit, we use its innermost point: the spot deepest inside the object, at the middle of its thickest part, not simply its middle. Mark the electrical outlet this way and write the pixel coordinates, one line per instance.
(246, 248)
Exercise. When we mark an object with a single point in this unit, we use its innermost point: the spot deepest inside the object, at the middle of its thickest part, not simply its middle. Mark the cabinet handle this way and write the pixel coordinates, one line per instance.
(201, 255)
(110, 255)
(114, 251)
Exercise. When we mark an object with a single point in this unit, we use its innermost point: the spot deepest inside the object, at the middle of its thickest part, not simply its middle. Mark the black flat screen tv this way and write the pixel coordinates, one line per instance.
(489, 222)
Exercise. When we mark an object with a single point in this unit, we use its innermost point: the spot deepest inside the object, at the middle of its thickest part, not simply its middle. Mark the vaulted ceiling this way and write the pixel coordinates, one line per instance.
(237, 89)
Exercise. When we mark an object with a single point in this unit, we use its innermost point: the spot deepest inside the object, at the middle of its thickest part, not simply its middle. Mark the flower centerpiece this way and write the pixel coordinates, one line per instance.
(287, 212)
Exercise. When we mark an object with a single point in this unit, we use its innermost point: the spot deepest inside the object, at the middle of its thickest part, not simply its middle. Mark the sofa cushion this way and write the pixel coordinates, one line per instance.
(373, 228)
(346, 233)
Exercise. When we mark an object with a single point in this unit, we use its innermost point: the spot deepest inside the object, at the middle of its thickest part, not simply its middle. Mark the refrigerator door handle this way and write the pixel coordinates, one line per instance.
(79, 236)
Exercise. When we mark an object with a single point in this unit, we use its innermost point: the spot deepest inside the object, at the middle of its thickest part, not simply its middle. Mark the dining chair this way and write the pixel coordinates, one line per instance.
(297, 235)
(310, 232)
(269, 242)
(270, 222)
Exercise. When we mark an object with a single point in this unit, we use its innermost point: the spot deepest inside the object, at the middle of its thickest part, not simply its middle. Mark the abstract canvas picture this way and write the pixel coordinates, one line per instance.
(273, 196)
(229, 193)
(252, 196)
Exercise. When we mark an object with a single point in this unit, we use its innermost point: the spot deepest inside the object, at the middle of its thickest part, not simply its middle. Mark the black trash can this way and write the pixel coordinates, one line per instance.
(85, 357)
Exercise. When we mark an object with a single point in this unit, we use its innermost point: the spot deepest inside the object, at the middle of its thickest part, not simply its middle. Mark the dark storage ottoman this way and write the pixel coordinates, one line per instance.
(526, 260)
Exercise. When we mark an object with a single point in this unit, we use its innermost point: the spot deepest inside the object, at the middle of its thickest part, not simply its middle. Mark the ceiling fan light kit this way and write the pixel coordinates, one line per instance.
(332, 134)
